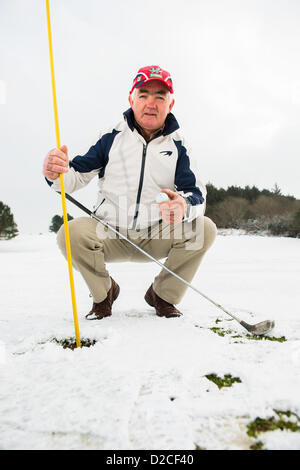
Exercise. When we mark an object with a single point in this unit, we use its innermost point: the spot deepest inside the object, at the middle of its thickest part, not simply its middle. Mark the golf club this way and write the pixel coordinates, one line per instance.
(259, 329)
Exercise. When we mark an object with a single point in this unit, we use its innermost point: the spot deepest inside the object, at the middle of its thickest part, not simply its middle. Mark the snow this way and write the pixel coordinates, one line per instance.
(143, 384)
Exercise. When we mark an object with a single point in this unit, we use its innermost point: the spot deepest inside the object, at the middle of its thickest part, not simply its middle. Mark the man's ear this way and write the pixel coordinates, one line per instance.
(171, 105)
(130, 100)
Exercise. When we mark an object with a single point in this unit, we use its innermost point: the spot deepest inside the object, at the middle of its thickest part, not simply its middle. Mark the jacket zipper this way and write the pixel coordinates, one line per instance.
(140, 186)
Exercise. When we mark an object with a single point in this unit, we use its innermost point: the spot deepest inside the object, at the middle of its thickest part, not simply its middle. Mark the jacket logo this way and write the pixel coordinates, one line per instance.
(167, 152)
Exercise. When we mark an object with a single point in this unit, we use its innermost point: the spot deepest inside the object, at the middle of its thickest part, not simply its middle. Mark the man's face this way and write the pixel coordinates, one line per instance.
(151, 105)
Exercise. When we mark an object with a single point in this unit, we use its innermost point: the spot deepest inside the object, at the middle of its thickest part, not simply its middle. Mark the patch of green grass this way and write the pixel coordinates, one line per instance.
(199, 448)
(70, 343)
(282, 339)
(258, 445)
(282, 423)
(226, 381)
(222, 332)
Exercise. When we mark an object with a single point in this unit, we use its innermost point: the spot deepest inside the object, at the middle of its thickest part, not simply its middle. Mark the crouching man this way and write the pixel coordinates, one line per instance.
(134, 161)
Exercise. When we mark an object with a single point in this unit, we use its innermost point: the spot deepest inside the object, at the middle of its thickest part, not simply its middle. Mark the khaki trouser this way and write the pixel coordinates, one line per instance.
(184, 245)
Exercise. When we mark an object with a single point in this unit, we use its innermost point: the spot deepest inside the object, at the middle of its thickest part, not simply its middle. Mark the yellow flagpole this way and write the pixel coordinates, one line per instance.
(62, 186)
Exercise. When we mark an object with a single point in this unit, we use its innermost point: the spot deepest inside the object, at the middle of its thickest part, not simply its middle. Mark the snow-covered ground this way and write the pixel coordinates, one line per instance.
(143, 385)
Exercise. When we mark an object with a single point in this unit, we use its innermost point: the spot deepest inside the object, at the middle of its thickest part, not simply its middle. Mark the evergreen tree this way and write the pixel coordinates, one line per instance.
(57, 221)
(214, 194)
(8, 227)
(235, 191)
(276, 190)
(251, 193)
(266, 192)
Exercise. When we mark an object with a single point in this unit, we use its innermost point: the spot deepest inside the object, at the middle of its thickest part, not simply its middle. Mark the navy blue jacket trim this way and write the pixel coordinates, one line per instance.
(185, 179)
(49, 182)
(129, 116)
(171, 124)
(96, 157)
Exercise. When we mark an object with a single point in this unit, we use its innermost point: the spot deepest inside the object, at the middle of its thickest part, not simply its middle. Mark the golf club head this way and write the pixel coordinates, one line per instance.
(261, 328)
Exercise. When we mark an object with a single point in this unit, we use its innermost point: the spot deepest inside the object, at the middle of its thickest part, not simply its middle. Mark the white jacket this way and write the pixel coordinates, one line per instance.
(131, 172)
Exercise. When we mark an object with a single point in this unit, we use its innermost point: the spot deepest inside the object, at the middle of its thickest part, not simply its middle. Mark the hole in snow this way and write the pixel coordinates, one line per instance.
(70, 343)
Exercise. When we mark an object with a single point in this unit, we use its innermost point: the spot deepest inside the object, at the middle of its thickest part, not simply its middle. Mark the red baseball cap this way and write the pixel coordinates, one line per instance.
(152, 72)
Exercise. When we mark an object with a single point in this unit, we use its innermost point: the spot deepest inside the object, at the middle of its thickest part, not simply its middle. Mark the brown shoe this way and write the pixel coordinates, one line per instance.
(163, 308)
(103, 309)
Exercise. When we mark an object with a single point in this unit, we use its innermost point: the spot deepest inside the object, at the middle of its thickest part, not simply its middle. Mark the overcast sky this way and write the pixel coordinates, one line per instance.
(236, 72)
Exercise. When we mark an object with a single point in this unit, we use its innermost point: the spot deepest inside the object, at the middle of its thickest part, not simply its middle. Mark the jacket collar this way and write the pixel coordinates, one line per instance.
(170, 126)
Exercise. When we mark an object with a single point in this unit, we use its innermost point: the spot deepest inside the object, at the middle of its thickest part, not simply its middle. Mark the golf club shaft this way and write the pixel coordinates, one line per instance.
(89, 212)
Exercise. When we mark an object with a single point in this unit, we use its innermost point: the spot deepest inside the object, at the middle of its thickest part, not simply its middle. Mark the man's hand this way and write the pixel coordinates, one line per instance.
(172, 211)
(56, 162)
